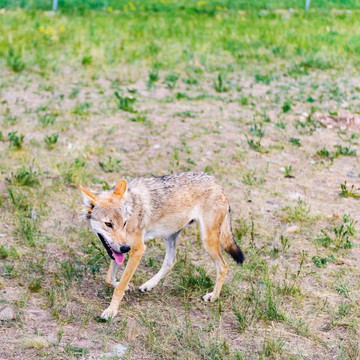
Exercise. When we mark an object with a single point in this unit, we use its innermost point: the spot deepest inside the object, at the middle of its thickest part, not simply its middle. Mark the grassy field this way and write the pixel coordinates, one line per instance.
(266, 101)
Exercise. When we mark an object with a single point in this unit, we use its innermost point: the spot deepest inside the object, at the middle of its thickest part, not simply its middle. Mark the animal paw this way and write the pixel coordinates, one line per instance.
(112, 284)
(149, 285)
(109, 313)
(209, 297)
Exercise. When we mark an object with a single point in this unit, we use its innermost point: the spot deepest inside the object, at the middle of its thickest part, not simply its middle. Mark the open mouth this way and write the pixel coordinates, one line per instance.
(114, 255)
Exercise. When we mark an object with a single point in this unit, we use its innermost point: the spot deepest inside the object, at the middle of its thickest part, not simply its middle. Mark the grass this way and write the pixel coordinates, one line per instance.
(230, 88)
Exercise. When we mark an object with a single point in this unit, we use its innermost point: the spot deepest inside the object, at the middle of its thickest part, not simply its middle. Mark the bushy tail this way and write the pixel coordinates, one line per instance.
(228, 242)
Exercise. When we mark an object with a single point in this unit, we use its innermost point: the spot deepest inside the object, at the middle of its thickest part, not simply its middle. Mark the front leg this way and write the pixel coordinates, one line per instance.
(135, 256)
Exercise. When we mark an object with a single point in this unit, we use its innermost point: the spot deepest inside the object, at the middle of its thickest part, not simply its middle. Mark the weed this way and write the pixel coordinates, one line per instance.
(352, 192)
(46, 119)
(324, 152)
(125, 103)
(153, 77)
(342, 234)
(14, 61)
(321, 262)
(288, 172)
(295, 141)
(74, 172)
(219, 84)
(171, 80)
(285, 244)
(286, 107)
(24, 177)
(251, 179)
(344, 150)
(51, 140)
(110, 165)
(16, 141)
(299, 212)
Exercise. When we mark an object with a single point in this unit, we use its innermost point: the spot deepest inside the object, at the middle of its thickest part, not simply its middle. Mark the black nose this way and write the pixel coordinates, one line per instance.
(125, 248)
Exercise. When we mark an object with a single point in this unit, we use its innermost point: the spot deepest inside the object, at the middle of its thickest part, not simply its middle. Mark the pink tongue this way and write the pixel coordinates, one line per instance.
(119, 257)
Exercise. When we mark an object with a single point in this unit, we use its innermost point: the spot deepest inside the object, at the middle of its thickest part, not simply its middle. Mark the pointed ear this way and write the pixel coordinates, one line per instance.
(88, 197)
(120, 188)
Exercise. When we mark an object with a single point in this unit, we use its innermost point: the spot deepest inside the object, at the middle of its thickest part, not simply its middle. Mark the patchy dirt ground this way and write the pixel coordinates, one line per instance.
(286, 152)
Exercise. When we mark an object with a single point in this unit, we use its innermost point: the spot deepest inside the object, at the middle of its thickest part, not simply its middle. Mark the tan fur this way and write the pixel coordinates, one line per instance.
(152, 207)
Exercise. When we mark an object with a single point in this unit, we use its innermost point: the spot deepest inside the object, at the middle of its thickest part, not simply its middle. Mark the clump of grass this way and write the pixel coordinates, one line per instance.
(194, 278)
(286, 107)
(325, 153)
(14, 61)
(295, 141)
(288, 172)
(153, 77)
(256, 130)
(47, 119)
(342, 234)
(51, 140)
(110, 165)
(219, 84)
(344, 150)
(24, 177)
(73, 172)
(16, 141)
(299, 212)
(251, 179)
(125, 103)
(18, 199)
(321, 262)
(171, 80)
(352, 192)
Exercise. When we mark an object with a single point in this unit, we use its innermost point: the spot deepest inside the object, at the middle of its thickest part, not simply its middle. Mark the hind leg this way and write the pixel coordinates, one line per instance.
(211, 240)
(169, 262)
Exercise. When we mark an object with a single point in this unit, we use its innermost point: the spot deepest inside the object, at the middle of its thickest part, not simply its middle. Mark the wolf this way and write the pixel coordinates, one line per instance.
(147, 208)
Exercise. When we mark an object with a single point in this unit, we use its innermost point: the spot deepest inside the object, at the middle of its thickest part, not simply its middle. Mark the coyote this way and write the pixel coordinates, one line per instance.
(147, 208)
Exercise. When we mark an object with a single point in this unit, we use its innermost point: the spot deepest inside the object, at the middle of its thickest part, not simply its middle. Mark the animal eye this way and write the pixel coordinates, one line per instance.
(109, 224)
(125, 223)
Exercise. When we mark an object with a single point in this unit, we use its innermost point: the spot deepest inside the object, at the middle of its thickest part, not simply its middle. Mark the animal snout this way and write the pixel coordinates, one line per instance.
(125, 248)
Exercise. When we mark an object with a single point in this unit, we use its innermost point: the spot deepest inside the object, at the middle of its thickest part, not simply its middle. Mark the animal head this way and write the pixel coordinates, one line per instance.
(107, 217)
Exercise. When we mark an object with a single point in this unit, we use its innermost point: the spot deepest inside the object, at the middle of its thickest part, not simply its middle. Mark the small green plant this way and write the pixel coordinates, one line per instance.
(321, 262)
(288, 172)
(51, 140)
(295, 141)
(125, 103)
(46, 119)
(286, 107)
(24, 177)
(344, 150)
(171, 80)
(110, 165)
(74, 172)
(16, 141)
(153, 77)
(342, 234)
(325, 153)
(86, 60)
(14, 61)
(251, 179)
(257, 130)
(299, 212)
(219, 84)
(142, 119)
(285, 244)
(352, 192)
